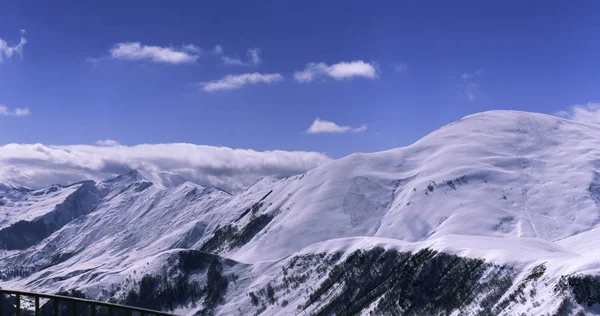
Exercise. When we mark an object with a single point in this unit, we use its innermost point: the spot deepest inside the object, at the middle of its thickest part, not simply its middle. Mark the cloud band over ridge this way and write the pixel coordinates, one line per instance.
(38, 165)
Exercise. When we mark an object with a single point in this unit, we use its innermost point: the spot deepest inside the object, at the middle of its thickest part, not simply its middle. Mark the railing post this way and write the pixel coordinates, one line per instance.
(18, 304)
(55, 306)
(110, 311)
(1, 307)
(37, 305)
(74, 308)
(93, 309)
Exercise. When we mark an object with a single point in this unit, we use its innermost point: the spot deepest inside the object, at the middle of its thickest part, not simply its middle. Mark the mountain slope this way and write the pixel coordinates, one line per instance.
(504, 201)
(504, 174)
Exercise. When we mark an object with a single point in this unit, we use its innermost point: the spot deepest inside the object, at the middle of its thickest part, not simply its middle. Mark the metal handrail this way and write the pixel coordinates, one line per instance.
(74, 301)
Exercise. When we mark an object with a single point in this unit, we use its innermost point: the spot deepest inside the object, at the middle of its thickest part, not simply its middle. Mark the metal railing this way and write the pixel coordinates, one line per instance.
(7, 295)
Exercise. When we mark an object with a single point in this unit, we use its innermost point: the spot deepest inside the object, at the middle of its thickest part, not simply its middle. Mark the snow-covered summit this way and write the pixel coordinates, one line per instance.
(161, 179)
(498, 173)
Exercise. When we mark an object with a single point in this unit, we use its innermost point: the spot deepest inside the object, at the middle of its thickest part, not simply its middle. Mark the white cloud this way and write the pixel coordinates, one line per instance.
(467, 76)
(339, 71)
(320, 126)
(7, 51)
(107, 142)
(471, 90)
(38, 165)
(400, 67)
(6, 111)
(588, 113)
(217, 50)
(22, 112)
(253, 55)
(231, 82)
(170, 55)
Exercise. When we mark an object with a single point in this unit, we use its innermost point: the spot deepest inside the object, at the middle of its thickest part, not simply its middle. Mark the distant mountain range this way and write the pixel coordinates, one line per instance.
(495, 214)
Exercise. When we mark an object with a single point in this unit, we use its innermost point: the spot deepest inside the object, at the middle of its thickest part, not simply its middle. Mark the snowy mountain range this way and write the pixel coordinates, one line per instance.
(495, 214)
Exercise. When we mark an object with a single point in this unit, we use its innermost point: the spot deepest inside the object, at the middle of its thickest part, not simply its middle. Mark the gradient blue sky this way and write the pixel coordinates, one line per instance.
(435, 62)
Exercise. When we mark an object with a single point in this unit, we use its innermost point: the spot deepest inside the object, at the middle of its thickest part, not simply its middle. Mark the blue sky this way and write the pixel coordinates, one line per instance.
(411, 66)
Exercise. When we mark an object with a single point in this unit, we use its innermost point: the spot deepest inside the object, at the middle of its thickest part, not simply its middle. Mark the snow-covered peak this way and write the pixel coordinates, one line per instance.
(162, 179)
(8, 187)
(129, 177)
(159, 179)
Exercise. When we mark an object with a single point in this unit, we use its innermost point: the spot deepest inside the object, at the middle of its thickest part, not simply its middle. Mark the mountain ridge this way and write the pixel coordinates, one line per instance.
(517, 190)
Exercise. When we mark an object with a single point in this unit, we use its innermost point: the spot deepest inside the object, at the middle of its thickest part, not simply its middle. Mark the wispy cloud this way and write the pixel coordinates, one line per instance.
(231, 82)
(192, 48)
(399, 67)
(94, 60)
(6, 111)
(134, 51)
(254, 55)
(7, 51)
(217, 50)
(38, 165)
(107, 142)
(467, 75)
(320, 126)
(339, 71)
(471, 90)
(253, 58)
(585, 113)
(233, 61)
(360, 129)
